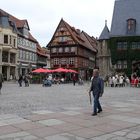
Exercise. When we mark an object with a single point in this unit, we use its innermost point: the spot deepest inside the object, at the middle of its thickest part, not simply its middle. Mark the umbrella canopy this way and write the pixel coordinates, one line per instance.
(41, 70)
(60, 70)
(72, 71)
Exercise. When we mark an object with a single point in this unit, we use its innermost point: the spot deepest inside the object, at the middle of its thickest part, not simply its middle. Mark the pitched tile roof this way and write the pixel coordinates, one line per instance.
(2, 13)
(90, 41)
(19, 24)
(80, 37)
(41, 51)
(124, 10)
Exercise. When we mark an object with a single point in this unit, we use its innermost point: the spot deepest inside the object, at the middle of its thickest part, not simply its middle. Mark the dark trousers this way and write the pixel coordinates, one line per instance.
(96, 103)
(74, 81)
(20, 83)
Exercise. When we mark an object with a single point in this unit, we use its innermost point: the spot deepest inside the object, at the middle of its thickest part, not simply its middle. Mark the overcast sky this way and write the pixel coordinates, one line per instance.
(44, 15)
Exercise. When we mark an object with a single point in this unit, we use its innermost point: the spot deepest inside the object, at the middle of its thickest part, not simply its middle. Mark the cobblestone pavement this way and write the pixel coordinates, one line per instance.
(63, 112)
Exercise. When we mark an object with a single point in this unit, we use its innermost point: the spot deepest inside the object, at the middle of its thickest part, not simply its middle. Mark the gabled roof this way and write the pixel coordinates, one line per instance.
(19, 24)
(81, 37)
(105, 33)
(2, 13)
(90, 41)
(41, 51)
(78, 36)
(124, 10)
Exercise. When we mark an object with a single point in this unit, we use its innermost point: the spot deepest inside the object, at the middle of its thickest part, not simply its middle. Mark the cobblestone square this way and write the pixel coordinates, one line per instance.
(64, 112)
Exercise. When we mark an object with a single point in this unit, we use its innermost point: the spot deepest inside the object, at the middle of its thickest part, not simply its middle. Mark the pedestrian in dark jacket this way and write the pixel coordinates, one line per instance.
(1, 80)
(74, 79)
(26, 81)
(97, 88)
(20, 80)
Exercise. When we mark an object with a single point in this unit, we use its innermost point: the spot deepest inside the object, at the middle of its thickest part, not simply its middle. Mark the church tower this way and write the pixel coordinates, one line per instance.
(104, 56)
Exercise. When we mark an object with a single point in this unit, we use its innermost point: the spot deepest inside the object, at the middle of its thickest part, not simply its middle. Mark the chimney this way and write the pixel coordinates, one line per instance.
(78, 31)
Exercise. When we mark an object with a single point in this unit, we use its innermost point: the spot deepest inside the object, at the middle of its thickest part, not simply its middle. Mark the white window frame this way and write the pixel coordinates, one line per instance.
(71, 60)
(56, 61)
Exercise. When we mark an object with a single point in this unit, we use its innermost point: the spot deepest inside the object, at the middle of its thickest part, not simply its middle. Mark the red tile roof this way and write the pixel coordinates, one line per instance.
(82, 38)
(19, 23)
(41, 51)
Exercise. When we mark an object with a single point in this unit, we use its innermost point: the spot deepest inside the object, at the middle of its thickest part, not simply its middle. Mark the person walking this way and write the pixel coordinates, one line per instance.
(74, 78)
(20, 80)
(97, 89)
(26, 80)
(1, 81)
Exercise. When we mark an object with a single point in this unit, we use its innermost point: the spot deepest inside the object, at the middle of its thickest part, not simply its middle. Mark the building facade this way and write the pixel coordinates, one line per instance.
(18, 48)
(74, 49)
(124, 37)
(27, 46)
(8, 47)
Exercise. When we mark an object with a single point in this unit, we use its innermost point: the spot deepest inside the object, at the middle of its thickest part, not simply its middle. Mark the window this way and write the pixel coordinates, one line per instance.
(72, 49)
(66, 49)
(131, 26)
(125, 64)
(122, 45)
(27, 42)
(121, 64)
(138, 46)
(63, 61)
(62, 38)
(56, 61)
(27, 55)
(14, 42)
(24, 54)
(21, 41)
(35, 57)
(12, 58)
(134, 45)
(61, 50)
(5, 39)
(21, 54)
(5, 56)
(32, 56)
(54, 50)
(71, 61)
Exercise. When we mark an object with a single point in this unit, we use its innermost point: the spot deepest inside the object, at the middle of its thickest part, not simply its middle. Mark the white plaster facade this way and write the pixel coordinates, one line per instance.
(8, 53)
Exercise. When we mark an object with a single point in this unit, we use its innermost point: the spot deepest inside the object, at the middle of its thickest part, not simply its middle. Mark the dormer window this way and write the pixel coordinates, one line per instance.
(131, 26)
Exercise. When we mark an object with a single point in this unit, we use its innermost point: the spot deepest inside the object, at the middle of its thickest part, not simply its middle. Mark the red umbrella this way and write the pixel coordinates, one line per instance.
(60, 70)
(72, 71)
(41, 70)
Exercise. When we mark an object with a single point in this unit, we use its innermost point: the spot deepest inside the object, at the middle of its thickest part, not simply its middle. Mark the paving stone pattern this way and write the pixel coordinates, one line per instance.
(63, 112)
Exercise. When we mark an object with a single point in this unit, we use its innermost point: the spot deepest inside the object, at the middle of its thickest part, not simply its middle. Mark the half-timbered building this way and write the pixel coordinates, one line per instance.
(74, 49)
